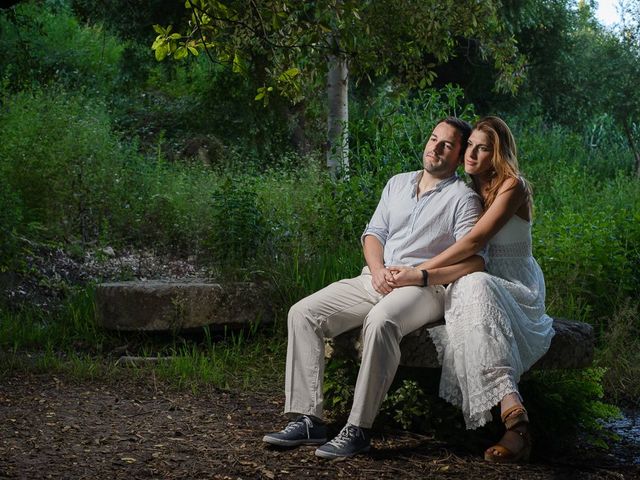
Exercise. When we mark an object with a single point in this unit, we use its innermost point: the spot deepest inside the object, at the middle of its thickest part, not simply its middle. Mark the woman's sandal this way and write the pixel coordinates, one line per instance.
(515, 444)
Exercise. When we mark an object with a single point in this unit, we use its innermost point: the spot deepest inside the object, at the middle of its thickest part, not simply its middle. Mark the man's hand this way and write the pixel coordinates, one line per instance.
(405, 276)
(380, 280)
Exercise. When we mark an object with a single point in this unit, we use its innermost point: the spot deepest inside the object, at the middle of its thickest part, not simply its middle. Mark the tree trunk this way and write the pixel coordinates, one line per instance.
(338, 118)
(296, 116)
(632, 146)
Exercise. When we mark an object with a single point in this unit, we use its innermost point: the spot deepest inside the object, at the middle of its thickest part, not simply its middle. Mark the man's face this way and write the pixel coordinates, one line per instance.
(442, 152)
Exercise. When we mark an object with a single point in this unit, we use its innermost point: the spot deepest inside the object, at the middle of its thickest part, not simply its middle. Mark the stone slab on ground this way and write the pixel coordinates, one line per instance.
(175, 305)
(572, 347)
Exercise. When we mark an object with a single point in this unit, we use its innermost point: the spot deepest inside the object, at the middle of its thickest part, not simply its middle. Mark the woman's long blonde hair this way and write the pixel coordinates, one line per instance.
(504, 160)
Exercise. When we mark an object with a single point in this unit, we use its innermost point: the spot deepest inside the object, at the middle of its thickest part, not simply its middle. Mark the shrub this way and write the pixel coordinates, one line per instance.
(564, 404)
(60, 158)
(237, 228)
(585, 221)
(620, 354)
(10, 219)
(41, 45)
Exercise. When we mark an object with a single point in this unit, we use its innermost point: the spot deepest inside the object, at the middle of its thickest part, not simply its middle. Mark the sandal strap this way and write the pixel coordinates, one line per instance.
(514, 416)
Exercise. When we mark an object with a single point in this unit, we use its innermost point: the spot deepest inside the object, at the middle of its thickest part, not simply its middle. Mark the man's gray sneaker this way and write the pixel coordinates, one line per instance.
(350, 441)
(302, 431)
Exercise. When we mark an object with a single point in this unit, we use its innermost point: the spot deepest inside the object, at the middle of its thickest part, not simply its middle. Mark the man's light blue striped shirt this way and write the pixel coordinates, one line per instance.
(413, 229)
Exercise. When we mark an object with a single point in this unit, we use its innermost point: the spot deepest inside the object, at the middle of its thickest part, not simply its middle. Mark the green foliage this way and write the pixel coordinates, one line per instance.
(70, 341)
(407, 405)
(562, 404)
(338, 387)
(389, 131)
(237, 226)
(129, 20)
(60, 159)
(585, 222)
(40, 45)
(229, 362)
(10, 220)
(620, 353)
(72, 327)
(286, 43)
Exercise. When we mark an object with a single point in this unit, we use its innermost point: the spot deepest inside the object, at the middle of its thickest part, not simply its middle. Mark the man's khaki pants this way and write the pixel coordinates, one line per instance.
(342, 306)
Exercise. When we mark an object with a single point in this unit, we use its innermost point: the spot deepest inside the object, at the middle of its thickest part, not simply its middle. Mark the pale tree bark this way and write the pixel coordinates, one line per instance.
(338, 117)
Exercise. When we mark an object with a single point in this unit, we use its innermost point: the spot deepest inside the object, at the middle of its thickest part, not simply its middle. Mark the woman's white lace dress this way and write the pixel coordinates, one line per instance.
(496, 327)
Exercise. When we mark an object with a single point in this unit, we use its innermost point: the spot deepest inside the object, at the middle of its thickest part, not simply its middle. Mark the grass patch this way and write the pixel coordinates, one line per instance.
(256, 365)
(69, 341)
(621, 355)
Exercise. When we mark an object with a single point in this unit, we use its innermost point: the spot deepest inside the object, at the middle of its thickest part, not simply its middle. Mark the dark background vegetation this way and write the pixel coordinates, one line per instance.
(101, 146)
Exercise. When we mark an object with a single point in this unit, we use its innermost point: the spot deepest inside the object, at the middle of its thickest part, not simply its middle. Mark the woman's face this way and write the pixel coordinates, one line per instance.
(477, 157)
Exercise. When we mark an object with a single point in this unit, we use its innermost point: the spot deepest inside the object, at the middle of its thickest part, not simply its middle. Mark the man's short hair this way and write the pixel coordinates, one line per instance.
(463, 127)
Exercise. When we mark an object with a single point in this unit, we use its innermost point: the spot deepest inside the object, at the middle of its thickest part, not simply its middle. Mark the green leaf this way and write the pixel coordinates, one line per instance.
(194, 51)
(159, 29)
(180, 53)
(159, 41)
(161, 52)
(175, 36)
(237, 64)
(289, 74)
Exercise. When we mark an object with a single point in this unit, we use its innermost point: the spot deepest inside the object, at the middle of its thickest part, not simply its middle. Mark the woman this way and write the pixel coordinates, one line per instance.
(496, 328)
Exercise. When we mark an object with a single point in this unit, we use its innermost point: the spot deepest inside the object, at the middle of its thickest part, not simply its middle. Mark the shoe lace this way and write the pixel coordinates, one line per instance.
(296, 424)
(346, 435)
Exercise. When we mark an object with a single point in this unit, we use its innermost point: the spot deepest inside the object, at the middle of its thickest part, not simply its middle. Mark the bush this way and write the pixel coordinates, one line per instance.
(42, 45)
(10, 220)
(620, 354)
(586, 231)
(564, 404)
(60, 158)
(388, 134)
(237, 229)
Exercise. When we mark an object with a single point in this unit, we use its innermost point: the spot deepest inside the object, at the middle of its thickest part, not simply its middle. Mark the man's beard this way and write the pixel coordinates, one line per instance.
(436, 168)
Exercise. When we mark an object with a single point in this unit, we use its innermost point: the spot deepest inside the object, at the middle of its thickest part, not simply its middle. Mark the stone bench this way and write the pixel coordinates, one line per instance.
(572, 347)
(175, 305)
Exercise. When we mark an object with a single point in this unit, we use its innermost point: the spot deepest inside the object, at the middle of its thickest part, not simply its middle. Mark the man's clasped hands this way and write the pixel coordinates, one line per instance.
(385, 279)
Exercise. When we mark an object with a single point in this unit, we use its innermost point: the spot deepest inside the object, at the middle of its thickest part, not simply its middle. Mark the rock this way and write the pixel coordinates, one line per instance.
(572, 347)
(175, 305)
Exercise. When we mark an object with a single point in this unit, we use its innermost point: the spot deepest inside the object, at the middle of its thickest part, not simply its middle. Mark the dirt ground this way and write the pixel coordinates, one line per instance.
(55, 427)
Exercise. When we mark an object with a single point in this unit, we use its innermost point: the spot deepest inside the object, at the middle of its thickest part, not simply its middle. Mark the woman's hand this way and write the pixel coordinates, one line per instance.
(405, 276)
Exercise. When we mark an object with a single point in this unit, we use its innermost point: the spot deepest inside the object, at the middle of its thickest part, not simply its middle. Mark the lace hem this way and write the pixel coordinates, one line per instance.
(440, 340)
(481, 403)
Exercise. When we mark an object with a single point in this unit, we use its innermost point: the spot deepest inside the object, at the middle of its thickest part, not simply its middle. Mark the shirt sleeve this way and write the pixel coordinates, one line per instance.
(467, 215)
(378, 226)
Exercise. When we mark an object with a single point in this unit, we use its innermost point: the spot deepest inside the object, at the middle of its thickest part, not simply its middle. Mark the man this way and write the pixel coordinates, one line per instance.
(419, 215)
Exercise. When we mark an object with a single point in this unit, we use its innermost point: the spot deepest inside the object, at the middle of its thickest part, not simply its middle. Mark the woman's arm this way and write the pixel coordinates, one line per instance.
(510, 198)
(403, 277)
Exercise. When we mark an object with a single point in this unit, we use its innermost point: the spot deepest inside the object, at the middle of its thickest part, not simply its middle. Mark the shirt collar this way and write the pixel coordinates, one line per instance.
(439, 186)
